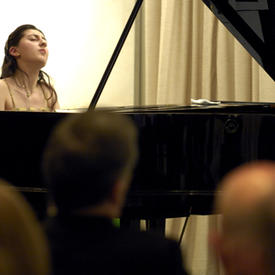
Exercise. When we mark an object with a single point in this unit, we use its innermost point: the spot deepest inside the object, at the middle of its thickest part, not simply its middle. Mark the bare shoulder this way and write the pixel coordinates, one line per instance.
(2, 83)
(4, 94)
(3, 88)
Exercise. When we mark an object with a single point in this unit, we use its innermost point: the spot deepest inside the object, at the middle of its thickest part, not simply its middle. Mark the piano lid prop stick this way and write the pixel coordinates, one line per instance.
(115, 54)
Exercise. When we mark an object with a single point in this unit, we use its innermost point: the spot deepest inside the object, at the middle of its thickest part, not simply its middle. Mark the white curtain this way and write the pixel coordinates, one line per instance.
(198, 258)
(187, 53)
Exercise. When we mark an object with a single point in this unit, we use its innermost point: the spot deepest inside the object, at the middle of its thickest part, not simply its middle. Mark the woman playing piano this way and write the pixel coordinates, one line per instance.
(23, 85)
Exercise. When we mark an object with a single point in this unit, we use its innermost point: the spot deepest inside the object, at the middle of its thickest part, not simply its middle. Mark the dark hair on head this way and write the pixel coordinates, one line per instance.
(85, 155)
(10, 65)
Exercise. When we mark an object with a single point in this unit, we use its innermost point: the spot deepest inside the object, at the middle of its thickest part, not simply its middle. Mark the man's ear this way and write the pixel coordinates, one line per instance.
(13, 52)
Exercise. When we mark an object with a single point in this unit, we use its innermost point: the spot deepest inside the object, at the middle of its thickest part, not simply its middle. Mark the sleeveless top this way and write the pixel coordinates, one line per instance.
(31, 109)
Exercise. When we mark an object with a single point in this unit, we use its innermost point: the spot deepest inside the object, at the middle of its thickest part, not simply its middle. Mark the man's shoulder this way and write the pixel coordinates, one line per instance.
(153, 239)
(149, 236)
(163, 254)
(87, 228)
(121, 248)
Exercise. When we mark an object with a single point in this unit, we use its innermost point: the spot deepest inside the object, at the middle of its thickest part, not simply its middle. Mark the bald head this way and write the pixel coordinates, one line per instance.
(246, 187)
(247, 203)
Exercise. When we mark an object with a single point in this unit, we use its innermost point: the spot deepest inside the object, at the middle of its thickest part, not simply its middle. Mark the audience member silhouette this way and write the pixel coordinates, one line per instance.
(246, 243)
(23, 245)
(88, 165)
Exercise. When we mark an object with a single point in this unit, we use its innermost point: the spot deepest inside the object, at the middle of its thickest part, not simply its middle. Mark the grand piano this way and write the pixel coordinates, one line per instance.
(184, 150)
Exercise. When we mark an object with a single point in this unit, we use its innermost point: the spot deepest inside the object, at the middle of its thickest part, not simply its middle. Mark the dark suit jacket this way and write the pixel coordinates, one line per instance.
(92, 245)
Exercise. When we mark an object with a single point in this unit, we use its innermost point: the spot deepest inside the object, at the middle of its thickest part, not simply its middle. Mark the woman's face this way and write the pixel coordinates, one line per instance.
(32, 48)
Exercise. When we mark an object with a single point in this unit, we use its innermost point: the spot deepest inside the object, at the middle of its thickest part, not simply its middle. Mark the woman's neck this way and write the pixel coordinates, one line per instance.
(26, 79)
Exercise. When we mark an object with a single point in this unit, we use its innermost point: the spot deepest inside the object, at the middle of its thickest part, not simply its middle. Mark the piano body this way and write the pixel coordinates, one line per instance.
(184, 150)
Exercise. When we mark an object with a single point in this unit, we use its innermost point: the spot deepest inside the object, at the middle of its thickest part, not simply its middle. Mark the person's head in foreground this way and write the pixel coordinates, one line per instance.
(88, 163)
(246, 243)
(23, 245)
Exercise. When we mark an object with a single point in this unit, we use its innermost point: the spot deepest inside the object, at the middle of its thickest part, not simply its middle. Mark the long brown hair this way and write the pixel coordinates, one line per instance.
(10, 66)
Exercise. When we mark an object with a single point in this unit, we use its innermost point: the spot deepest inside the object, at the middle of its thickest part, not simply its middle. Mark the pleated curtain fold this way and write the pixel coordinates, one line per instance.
(187, 53)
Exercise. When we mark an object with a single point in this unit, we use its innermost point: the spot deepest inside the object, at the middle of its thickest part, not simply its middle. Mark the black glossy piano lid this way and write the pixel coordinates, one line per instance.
(252, 22)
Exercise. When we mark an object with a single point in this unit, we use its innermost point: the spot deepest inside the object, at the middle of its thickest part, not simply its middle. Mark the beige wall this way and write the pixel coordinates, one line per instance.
(82, 36)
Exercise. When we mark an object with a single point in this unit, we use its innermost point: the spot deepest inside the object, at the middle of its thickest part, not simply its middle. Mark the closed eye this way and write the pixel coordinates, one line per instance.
(36, 38)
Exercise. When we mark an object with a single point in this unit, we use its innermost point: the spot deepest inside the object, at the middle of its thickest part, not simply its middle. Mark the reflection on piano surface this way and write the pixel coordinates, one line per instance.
(184, 151)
